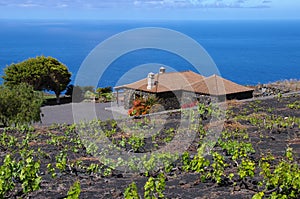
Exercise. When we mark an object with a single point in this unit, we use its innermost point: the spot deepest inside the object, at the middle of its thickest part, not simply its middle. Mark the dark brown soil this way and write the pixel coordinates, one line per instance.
(48, 142)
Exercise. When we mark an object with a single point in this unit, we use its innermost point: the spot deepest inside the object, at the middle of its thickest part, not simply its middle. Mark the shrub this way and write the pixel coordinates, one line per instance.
(283, 180)
(74, 191)
(142, 106)
(19, 105)
(24, 172)
(131, 192)
(155, 187)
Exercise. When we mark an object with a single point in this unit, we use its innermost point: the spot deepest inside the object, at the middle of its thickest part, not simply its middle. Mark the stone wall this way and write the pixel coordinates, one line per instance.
(190, 97)
(205, 99)
(170, 100)
(263, 90)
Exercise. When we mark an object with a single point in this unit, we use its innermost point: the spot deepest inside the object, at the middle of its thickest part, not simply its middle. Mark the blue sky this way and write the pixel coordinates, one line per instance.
(150, 9)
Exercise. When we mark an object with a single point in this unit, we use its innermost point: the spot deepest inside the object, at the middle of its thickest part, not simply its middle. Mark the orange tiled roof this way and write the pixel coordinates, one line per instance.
(188, 81)
(166, 82)
(216, 85)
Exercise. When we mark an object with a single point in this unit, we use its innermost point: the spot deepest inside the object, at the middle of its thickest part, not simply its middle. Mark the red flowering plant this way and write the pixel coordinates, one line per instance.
(189, 105)
(142, 106)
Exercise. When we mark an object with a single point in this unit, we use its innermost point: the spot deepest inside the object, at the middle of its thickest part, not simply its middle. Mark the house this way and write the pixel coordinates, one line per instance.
(177, 88)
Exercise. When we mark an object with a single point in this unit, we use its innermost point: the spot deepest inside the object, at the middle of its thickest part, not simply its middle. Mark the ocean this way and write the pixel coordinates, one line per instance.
(246, 52)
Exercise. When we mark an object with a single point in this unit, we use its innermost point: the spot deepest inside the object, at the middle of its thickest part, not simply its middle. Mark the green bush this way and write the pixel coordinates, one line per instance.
(74, 191)
(281, 180)
(25, 171)
(131, 192)
(19, 105)
(155, 187)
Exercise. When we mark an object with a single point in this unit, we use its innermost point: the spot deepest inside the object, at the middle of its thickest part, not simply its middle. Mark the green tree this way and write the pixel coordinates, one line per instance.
(19, 105)
(43, 73)
(104, 90)
(105, 94)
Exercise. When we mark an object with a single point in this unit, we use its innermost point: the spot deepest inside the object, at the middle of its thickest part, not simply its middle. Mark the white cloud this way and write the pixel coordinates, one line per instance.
(137, 3)
(204, 3)
(27, 5)
(62, 5)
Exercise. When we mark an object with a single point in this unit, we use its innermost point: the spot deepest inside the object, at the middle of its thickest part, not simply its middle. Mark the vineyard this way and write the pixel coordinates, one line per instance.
(256, 155)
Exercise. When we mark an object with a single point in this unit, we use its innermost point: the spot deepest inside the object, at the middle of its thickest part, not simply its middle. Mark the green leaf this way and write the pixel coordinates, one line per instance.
(259, 195)
(74, 191)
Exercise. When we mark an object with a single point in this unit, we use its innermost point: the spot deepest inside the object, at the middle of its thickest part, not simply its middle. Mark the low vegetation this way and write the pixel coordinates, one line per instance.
(255, 156)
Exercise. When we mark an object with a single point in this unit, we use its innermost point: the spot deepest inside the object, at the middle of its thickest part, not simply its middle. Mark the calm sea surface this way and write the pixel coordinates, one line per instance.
(247, 52)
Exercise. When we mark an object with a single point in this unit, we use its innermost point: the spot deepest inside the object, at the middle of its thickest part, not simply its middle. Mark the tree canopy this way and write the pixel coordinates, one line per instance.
(42, 73)
(104, 90)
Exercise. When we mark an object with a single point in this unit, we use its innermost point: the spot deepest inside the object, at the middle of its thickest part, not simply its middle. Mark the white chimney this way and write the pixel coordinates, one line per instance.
(162, 70)
(150, 81)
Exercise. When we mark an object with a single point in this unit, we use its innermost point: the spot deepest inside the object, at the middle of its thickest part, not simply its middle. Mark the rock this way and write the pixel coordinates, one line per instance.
(172, 187)
(120, 175)
(186, 186)
(237, 188)
(117, 194)
(182, 182)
